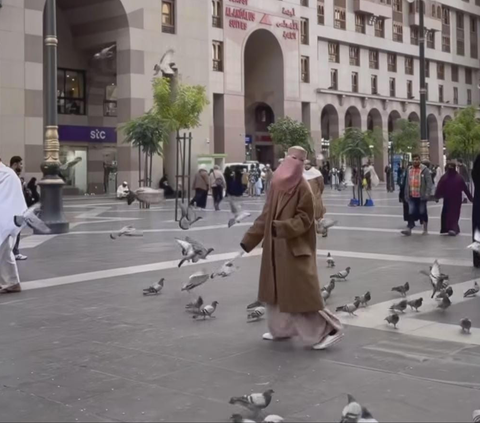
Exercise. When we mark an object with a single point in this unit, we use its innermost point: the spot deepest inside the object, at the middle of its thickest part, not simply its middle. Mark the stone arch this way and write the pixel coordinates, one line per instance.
(393, 117)
(375, 121)
(329, 123)
(435, 149)
(413, 117)
(353, 118)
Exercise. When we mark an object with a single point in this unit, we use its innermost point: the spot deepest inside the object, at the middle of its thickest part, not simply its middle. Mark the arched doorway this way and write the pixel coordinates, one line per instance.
(435, 149)
(375, 123)
(264, 91)
(393, 117)
(353, 118)
(413, 117)
(329, 126)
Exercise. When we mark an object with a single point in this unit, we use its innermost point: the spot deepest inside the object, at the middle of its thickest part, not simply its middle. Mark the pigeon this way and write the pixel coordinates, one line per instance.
(192, 251)
(437, 278)
(445, 292)
(366, 417)
(195, 305)
(325, 294)
(238, 214)
(415, 304)
(254, 401)
(402, 289)
(256, 314)
(364, 299)
(126, 231)
(227, 268)
(393, 319)
(445, 303)
(476, 416)
(189, 217)
(154, 289)
(195, 280)
(30, 218)
(330, 287)
(325, 224)
(166, 65)
(466, 325)
(105, 53)
(342, 274)
(350, 308)
(238, 418)
(273, 418)
(476, 244)
(472, 292)
(145, 195)
(352, 411)
(254, 305)
(207, 311)
(401, 306)
(330, 261)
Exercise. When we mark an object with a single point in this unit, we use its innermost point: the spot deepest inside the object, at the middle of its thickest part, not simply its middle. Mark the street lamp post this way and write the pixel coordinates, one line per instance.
(51, 184)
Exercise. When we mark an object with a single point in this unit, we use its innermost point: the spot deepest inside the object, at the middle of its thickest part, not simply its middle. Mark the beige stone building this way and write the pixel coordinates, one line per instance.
(329, 63)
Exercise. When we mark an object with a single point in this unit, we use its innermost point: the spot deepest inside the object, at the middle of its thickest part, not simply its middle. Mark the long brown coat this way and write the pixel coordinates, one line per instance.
(318, 185)
(288, 275)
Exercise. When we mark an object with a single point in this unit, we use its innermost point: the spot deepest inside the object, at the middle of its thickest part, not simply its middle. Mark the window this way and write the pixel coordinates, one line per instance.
(468, 76)
(392, 87)
(454, 73)
(427, 68)
(217, 49)
(334, 52)
(473, 24)
(168, 16)
(397, 32)
(354, 56)
(354, 82)
(71, 92)
(473, 38)
(360, 23)
(304, 3)
(455, 95)
(380, 28)
(469, 97)
(440, 93)
(320, 12)
(392, 62)
(305, 69)
(409, 89)
(110, 102)
(446, 16)
(397, 5)
(414, 35)
(340, 18)
(460, 21)
(304, 30)
(431, 39)
(446, 43)
(373, 59)
(333, 79)
(217, 13)
(373, 83)
(440, 71)
(409, 65)
(460, 46)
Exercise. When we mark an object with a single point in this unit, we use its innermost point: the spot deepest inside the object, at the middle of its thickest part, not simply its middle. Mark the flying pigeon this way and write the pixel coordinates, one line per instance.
(401, 306)
(415, 304)
(402, 289)
(195, 280)
(445, 292)
(227, 268)
(445, 303)
(238, 214)
(466, 325)
(393, 319)
(238, 418)
(70, 164)
(342, 274)
(105, 53)
(273, 418)
(154, 289)
(472, 292)
(437, 278)
(256, 314)
(126, 231)
(195, 305)
(476, 244)
(325, 224)
(194, 251)
(145, 195)
(30, 218)
(254, 305)
(364, 299)
(330, 261)
(189, 217)
(166, 65)
(366, 417)
(352, 411)
(254, 401)
(350, 308)
(207, 311)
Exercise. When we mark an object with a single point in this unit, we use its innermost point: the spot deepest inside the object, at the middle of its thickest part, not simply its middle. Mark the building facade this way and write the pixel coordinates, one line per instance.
(332, 64)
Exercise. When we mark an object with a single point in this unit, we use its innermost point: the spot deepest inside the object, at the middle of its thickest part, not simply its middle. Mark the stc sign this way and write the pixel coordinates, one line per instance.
(87, 134)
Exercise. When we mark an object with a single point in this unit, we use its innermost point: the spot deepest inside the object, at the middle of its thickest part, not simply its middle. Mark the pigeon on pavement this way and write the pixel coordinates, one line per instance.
(342, 274)
(415, 304)
(325, 294)
(207, 311)
(189, 217)
(330, 261)
(401, 306)
(472, 292)
(256, 314)
(195, 280)
(126, 231)
(445, 292)
(227, 268)
(402, 289)
(476, 244)
(350, 308)
(238, 418)
(330, 287)
(364, 299)
(254, 305)
(195, 305)
(366, 417)
(393, 319)
(154, 289)
(254, 401)
(273, 418)
(445, 303)
(193, 251)
(352, 411)
(437, 278)
(466, 325)
(31, 219)
(238, 214)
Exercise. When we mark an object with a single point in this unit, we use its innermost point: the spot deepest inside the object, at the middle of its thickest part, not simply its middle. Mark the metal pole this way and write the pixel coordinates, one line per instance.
(51, 183)
(184, 159)
(189, 166)
(423, 91)
(176, 178)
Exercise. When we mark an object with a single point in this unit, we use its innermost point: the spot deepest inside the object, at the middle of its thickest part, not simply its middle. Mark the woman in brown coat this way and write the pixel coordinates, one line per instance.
(315, 179)
(288, 277)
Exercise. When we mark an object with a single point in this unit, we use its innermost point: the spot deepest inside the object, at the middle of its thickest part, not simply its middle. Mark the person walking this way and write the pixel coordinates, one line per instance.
(400, 171)
(476, 206)
(252, 181)
(450, 188)
(288, 277)
(245, 179)
(200, 185)
(463, 171)
(417, 191)
(34, 195)
(268, 178)
(218, 184)
(16, 164)
(389, 178)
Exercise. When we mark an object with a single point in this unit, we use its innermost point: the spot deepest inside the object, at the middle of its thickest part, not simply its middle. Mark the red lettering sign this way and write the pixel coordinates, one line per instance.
(233, 23)
(292, 26)
(241, 14)
(245, 2)
(289, 35)
(288, 12)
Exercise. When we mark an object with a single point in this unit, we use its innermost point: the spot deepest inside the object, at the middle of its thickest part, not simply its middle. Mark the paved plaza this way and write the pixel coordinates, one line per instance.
(82, 343)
